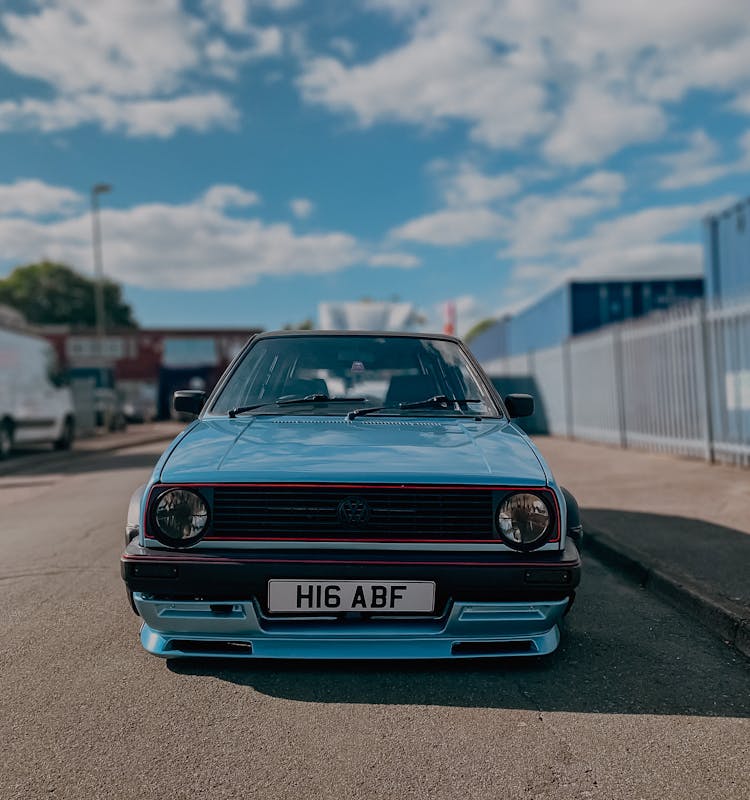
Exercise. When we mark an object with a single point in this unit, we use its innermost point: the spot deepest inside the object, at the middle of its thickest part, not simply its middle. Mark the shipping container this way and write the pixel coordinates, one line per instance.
(727, 254)
(579, 307)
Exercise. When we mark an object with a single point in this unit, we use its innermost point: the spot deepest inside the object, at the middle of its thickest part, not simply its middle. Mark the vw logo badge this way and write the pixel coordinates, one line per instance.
(353, 511)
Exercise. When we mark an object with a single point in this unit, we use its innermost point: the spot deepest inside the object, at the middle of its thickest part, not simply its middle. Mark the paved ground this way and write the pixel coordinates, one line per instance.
(606, 477)
(640, 702)
(679, 516)
(42, 458)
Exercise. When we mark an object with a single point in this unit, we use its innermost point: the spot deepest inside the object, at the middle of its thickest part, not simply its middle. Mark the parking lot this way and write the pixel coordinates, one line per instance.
(639, 701)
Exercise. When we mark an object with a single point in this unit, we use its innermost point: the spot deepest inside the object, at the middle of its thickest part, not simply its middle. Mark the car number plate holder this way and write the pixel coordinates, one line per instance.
(332, 596)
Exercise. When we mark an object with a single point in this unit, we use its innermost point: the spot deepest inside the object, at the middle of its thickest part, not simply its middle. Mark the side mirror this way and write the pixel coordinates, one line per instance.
(189, 401)
(519, 405)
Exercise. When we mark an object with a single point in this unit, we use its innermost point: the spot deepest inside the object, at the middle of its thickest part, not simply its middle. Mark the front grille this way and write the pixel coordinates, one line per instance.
(346, 513)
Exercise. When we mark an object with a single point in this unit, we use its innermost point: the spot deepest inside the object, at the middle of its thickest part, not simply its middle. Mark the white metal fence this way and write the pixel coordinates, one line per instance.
(677, 382)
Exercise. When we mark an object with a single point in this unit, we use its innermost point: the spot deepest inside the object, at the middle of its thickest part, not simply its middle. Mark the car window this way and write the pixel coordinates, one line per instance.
(384, 370)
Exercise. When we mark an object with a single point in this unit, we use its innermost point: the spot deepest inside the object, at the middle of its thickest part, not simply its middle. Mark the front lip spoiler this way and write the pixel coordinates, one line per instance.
(186, 629)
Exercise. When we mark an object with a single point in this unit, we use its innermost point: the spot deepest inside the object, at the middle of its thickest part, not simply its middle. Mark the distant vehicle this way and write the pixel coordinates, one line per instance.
(36, 404)
(108, 405)
(138, 401)
(351, 495)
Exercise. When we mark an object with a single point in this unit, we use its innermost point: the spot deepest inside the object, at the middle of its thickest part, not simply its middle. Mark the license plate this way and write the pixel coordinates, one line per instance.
(302, 597)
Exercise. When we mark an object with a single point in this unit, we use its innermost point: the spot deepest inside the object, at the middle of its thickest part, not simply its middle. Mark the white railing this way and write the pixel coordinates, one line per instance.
(676, 382)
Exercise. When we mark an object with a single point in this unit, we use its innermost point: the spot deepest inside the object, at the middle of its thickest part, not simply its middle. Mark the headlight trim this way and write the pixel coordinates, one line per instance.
(158, 532)
(549, 532)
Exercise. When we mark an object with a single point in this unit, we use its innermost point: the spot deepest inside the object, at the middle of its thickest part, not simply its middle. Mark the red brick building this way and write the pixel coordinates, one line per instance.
(152, 362)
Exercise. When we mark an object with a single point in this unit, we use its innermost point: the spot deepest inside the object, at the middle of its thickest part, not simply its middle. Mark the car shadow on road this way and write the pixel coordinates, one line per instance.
(711, 557)
(623, 652)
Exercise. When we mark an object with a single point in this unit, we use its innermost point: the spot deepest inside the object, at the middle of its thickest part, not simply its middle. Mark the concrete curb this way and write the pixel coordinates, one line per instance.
(723, 621)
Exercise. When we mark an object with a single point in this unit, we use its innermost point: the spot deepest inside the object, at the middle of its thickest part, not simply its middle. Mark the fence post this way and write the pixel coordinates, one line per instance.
(705, 373)
(619, 384)
(567, 376)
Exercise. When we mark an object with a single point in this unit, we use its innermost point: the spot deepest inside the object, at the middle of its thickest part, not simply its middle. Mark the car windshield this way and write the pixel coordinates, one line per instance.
(383, 372)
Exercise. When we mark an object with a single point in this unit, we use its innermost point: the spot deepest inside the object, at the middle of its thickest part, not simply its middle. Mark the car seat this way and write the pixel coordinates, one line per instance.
(410, 388)
(301, 387)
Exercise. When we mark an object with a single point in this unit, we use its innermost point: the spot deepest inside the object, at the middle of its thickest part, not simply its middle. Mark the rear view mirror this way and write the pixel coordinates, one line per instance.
(189, 401)
(519, 405)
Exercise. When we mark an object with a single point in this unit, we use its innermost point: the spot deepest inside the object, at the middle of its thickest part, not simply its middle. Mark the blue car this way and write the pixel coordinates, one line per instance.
(351, 496)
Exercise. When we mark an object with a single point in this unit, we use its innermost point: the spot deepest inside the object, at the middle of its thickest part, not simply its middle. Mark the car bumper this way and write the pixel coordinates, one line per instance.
(212, 604)
(176, 629)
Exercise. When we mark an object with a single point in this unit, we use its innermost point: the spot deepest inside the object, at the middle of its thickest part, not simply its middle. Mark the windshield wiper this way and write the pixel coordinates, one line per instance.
(242, 409)
(438, 401)
(360, 412)
(310, 398)
(318, 398)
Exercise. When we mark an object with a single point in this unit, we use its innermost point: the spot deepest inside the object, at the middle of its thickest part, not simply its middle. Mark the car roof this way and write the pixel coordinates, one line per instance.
(373, 334)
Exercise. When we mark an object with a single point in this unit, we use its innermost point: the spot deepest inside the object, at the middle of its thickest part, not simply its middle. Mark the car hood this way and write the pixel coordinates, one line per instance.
(369, 450)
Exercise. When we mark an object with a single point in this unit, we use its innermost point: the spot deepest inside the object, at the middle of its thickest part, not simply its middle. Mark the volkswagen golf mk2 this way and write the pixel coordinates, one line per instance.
(351, 495)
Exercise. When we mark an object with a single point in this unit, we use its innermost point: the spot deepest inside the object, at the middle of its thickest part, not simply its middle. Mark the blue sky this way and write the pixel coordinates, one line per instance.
(271, 154)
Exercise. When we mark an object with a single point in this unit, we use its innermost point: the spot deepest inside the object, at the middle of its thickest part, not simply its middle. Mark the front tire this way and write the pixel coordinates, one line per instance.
(6, 439)
(65, 442)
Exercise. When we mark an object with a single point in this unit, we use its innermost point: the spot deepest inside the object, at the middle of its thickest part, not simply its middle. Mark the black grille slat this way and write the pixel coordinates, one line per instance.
(394, 513)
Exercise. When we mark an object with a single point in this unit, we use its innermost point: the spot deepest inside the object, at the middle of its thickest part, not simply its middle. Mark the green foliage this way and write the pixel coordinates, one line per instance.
(305, 325)
(480, 327)
(53, 294)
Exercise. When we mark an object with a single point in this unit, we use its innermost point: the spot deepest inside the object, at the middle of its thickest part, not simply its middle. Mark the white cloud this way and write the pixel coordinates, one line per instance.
(446, 75)
(700, 163)
(596, 123)
(452, 227)
(652, 260)
(142, 117)
(188, 246)
(741, 103)
(531, 225)
(280, 5)
(125, 48)
(541, 222)
(234, 16)
(222, 196)
(301, 207)
(590, 77)
(343, 46)
(138, 67)
(647, 226)
(533, 272)
(465, 185)
(694, 166)
(635, 245)
(394, 259)
(34, 198)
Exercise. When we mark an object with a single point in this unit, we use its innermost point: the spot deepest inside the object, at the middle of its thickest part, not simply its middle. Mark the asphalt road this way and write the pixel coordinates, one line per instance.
(639, 702)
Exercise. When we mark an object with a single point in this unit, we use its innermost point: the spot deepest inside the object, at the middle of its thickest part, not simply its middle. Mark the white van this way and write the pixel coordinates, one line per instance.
(35, 404)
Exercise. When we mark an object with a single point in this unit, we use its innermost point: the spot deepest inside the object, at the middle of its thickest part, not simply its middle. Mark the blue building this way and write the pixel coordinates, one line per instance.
(578, 307)
(727, 254)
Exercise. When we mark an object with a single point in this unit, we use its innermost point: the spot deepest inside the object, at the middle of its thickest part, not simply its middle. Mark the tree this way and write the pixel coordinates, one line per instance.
(479, 328)
(305, 325)
(54, 294)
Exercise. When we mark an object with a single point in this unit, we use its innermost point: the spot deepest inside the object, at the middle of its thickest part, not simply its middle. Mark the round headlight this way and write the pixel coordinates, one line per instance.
(181, 517)
(523, 520)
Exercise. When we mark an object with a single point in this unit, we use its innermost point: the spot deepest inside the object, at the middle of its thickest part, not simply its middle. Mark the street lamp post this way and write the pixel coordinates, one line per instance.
(96, 190)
